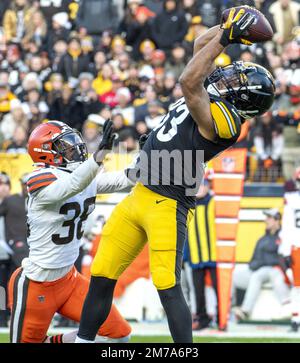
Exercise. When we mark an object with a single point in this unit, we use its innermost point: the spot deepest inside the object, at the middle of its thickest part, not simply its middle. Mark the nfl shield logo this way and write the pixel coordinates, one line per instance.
(228, 164)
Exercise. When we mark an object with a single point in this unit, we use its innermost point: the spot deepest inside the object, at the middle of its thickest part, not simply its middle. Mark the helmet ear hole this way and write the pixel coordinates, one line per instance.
(46, 146)
(248, 86)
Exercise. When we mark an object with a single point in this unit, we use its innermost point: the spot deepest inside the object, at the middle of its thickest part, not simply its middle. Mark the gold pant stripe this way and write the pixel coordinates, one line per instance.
(193, 243)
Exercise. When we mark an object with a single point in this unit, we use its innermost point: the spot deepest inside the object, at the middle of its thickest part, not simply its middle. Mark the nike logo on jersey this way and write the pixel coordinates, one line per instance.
(159, 201)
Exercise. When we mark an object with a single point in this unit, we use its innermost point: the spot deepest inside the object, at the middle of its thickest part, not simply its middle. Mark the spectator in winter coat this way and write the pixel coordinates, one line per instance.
(97, 16)
(64, 108)
(17, 19)
(59, 31)
(35, 107)
(285, 16)
(141, 104)
(54, 87)
(74, 62)
(137, 28)
(177, 61)
(86, 97)
(170, 26)
(263, 267)
(103, 82)
(269, 142)
(36, 31)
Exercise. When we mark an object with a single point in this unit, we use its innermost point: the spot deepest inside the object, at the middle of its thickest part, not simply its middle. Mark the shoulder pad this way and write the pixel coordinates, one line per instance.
(226, 119)
(40, 179)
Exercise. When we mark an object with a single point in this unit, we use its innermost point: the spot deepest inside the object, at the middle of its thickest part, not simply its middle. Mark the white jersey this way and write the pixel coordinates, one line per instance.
(290, 232)
(58, 207)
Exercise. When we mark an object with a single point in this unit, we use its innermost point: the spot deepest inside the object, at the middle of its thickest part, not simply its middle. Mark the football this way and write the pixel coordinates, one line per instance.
(260, 31)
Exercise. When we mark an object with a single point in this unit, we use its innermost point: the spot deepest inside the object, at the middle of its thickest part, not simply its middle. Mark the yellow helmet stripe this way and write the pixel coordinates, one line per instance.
(229, 115)
(221, 121)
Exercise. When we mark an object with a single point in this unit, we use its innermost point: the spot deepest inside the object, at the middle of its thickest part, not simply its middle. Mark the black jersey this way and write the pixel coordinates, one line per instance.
(173, 157)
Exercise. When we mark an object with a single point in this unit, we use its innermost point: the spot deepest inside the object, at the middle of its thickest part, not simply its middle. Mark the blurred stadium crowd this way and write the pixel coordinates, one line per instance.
(82, 61)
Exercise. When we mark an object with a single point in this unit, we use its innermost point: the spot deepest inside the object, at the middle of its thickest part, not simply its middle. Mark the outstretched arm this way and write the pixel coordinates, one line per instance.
(194, 75)
(111, 182)
(203, 39)
(192, 84)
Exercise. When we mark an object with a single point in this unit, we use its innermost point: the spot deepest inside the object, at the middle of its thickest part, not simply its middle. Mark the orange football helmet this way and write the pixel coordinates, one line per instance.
(55, 143)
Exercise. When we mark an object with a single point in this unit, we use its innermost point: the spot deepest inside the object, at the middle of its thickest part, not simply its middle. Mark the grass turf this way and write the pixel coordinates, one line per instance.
(4, 338)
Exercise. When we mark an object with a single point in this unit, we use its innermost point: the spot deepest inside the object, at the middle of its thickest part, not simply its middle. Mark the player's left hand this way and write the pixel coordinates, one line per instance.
(108, 136)
(235, 26)
(106, 143)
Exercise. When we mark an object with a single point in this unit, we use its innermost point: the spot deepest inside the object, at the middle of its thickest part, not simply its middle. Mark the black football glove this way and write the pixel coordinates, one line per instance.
(106, 142)
(235, 26)
(142, 140)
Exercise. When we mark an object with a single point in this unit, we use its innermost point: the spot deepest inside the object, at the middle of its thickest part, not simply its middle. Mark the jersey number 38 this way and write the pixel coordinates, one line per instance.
(74, 224)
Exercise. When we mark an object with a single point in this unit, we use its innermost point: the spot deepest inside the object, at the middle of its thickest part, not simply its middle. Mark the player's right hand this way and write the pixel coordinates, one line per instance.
(106, 143)
(235, 26)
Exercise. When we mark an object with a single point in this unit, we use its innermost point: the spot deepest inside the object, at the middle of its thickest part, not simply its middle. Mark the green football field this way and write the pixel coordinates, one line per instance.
(163, 339)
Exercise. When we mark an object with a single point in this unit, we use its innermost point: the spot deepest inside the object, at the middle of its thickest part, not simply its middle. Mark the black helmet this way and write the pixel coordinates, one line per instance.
(248, 86)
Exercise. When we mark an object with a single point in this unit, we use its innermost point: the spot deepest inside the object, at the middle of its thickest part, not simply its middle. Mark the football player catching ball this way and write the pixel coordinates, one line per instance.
(207, 118)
